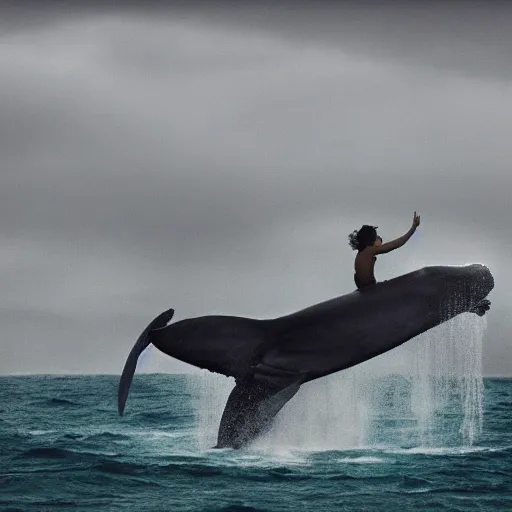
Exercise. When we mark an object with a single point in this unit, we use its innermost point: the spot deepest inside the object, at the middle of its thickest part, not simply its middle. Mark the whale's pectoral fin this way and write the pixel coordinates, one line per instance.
(250, 409)
(481, 308)
(131, 363)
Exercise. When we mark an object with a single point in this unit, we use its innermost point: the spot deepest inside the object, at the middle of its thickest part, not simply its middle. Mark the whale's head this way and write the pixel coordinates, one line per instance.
(474, 281)
(480, 279)
(461, 287)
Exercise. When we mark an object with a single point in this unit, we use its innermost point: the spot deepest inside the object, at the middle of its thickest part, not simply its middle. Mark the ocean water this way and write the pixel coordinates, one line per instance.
(351, 442)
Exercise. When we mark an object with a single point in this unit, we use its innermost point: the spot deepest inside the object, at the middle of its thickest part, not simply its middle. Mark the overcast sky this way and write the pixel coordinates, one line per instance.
(215, 160)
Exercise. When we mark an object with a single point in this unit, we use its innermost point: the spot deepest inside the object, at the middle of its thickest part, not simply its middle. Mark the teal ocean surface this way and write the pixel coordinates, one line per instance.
(406, 446)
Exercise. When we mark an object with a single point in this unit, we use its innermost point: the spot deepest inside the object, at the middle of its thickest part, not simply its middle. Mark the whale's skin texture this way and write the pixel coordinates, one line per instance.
(271, 358)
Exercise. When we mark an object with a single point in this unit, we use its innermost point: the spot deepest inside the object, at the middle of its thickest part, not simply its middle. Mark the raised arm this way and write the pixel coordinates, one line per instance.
(398, 242)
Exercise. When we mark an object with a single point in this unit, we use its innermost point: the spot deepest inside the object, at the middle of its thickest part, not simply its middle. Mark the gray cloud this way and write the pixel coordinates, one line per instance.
(216, 164)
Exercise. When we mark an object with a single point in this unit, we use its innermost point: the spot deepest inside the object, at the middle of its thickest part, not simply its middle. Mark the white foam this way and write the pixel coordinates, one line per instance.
(156, 434)
(41, 432)
(439, 451)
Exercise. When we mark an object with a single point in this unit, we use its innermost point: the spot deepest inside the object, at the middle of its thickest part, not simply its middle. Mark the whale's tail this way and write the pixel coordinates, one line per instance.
(131, 363)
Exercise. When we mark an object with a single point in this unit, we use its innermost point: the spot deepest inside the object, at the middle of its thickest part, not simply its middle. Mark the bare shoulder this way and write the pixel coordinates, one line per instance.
(367, 253)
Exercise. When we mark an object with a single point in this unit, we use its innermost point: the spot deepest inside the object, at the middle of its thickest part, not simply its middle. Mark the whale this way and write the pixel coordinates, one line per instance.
(271, 358)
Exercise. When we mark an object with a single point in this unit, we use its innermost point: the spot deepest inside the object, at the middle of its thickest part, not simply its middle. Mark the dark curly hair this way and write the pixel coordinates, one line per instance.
(366, 236)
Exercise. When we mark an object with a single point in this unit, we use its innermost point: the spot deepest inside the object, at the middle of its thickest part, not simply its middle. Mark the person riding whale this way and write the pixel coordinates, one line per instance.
(271, 358)
(368, 245)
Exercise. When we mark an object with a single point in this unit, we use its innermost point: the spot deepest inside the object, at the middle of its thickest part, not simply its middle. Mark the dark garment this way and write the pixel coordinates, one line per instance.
(363, 284)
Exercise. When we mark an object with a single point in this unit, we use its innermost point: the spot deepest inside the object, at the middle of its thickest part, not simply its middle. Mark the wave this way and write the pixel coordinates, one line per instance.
(234, 508)
(60, 402)
(154, 470)
(161, 417)
(361, 478)
(415, 482)
(438, 451)
(365, 460)
(195, 470)
(51, 452)
(46, 453)
(71, 435)
(106, 436)
(119, 468)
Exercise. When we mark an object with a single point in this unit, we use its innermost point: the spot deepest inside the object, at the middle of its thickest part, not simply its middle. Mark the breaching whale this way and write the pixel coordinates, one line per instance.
(270, 359)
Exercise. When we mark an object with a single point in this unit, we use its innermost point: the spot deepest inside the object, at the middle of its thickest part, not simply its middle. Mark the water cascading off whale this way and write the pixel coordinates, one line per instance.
(270, 359)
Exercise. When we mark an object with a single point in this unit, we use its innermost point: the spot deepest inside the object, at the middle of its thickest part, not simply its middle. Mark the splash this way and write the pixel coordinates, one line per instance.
(332, 413)
(212, 391)
(427, 394)
(448, 381)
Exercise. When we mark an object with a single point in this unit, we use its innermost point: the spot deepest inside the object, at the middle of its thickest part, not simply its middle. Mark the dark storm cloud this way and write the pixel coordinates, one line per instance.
(218, 157)
(470, 38)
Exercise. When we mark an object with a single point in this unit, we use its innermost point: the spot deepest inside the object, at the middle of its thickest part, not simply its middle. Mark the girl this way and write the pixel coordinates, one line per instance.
(368, 244)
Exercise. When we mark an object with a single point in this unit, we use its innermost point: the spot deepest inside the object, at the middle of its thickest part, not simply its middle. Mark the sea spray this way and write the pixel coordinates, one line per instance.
(447, 380)
(426, 393)
(327, 414)
(212, 390)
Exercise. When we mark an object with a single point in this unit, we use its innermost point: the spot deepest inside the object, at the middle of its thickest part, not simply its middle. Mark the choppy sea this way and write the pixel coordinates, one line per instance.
(63, 447)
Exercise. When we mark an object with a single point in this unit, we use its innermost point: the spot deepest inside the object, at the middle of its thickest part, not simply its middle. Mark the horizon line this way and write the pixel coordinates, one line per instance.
(485, 376)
